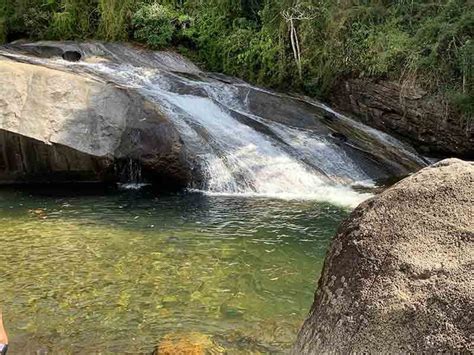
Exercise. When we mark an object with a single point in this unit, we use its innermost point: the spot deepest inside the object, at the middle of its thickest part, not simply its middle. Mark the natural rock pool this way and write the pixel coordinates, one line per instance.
(127, 271)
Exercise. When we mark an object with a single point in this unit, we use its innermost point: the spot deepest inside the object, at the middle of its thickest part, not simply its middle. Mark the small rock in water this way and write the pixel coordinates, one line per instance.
(170, 299)
(38, 212)
(230, 311)
(172, 239)
(187, 343)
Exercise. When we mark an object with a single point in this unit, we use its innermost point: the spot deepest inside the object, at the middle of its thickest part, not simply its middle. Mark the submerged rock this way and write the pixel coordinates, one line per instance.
(399, 275)
(187, 344)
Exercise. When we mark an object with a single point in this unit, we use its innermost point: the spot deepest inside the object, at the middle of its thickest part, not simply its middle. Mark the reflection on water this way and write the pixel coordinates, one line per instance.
(127, 272)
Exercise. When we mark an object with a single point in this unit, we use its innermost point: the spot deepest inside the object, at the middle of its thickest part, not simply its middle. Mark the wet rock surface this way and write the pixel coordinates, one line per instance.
(155, 116)
(399, 275)
(409, 113)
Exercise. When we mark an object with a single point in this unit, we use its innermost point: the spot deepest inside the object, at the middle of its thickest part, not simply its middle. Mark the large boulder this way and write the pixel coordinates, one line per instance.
(399, 275)
(58, 126)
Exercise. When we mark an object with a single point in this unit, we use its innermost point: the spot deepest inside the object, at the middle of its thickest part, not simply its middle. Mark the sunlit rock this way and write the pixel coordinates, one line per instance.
(59, 126)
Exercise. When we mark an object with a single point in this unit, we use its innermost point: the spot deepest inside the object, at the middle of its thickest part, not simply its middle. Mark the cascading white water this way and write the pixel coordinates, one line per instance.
(132, 172)
(235, 157)
(246, 162)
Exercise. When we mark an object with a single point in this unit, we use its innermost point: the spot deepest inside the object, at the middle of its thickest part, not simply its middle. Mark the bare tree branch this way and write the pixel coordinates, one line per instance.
(292, 14)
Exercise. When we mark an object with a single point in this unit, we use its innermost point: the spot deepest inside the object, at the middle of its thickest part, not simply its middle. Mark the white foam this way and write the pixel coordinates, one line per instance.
(132, 186)
(337, 195)
(236, 159)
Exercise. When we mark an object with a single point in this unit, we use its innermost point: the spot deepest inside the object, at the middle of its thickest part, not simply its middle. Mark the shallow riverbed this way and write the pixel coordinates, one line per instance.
(125, 271)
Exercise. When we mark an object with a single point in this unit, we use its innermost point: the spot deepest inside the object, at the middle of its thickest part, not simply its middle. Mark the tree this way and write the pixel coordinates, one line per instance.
(291, 15)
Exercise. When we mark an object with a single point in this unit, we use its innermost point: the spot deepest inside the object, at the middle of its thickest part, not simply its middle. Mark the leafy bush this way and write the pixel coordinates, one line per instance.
(158, 25)
(68, 19)
(3, 21)
(25, 18)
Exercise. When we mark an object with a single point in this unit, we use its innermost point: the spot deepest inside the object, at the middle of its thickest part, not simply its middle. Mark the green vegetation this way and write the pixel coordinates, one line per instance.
(305, 45)
(159, 26)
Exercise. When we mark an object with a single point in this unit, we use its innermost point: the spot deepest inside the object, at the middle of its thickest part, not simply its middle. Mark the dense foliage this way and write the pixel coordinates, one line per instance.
(305, 45)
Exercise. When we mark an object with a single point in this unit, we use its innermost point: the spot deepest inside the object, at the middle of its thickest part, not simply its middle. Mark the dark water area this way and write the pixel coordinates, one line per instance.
(94, 270)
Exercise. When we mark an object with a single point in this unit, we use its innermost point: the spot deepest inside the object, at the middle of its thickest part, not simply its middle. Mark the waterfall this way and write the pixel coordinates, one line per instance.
(235, 158)
(251, 141)
(130, 172)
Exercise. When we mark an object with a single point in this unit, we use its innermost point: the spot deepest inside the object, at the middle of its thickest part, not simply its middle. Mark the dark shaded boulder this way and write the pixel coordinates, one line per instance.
(399, 275)
(25, 159)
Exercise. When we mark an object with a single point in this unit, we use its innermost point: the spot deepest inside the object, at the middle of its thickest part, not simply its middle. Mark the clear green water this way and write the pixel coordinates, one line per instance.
(120, 272)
